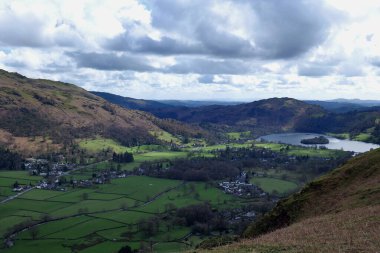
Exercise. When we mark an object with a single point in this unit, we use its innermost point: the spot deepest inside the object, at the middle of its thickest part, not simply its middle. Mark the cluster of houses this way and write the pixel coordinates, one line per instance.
(42, 167)
(50, 186)
(21, 188)
(53, 172)
(241, 188)
(102, 177)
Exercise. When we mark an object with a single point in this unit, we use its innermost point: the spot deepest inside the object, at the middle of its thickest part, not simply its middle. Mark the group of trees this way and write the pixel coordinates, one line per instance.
(130, 136)
(125, 157)
(10, 160)
(229, 163)
(197, 169)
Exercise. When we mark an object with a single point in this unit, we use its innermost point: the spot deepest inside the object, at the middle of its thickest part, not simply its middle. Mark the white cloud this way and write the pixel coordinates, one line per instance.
(236, 50)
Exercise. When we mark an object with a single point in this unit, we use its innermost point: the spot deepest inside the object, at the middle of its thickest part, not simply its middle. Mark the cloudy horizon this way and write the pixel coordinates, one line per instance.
(235, 50)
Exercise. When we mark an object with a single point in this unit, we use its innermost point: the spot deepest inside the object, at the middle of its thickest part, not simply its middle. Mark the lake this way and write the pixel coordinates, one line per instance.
(295, 139)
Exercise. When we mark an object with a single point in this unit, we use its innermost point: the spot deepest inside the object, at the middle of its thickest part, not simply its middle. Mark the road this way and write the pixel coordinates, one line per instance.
(15, 196)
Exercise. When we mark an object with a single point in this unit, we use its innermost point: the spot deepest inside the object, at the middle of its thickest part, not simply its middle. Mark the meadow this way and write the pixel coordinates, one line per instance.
(106, 216)
(274, 185)
(8, 178)
(300, 151)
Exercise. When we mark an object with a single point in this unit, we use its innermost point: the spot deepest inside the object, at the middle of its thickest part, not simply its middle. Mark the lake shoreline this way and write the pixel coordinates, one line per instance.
(334, 143)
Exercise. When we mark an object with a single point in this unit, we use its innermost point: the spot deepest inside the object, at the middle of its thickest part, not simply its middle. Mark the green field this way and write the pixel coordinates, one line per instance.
(99, 144)
(166, 137)
(108, 214)
(363, 137)
(274, 185)
(300, 151)
(342, 136)
(238, 135)
(8, 178)
(220, 147)
(139, 158)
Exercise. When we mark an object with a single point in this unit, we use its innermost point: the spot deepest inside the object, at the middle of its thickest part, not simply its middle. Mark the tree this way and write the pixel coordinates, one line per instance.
(125, 249)
(34, 232)
(124, 206)
(16, 184)
(85, 196)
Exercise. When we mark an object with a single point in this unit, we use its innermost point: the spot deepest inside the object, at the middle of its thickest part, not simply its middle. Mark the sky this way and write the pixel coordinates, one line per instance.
(236, 50)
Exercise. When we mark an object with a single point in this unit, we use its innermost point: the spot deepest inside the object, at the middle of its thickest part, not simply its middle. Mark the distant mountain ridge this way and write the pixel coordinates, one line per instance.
(362, 102)
(132, 103)
(337, 107)
(198, 103)
(275, 114)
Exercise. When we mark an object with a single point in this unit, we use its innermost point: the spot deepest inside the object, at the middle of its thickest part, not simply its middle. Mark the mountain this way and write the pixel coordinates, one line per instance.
(363, 125)
(132, 103)
(270, 116)
(337, 107)
(195, 103)
(40, 116)
(338, 212)
(264, 116)
(366, 103)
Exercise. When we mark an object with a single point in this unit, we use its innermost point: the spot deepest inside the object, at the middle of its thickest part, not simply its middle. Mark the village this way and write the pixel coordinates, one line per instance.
(241, 188)
(54, 176)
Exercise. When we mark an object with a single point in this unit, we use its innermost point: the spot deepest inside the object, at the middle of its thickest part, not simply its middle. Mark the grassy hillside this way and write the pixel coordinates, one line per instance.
(353, 230)
(339, 212)
(43, 116)
(354, 185)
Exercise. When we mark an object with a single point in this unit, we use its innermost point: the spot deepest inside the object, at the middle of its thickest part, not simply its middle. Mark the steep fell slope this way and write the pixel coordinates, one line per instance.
(339, 212)
(59, 112)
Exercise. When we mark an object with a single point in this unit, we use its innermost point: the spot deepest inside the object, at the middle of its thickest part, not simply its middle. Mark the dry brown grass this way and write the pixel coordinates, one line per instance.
(28, 146)
(350, 231)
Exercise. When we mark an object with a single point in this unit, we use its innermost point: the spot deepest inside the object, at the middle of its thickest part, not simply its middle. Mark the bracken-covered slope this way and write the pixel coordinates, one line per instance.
(58, 113)
(339, 212)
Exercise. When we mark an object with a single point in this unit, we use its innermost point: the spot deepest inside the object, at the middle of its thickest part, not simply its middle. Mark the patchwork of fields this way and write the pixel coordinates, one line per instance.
(105, 217)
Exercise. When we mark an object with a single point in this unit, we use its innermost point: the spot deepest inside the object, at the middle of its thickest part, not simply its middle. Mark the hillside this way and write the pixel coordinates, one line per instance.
(264, 116)
(132, 103)
(270, 115)
(40, 116)
(363, 125)
(338, 212)
(153, 105)
(337, 107)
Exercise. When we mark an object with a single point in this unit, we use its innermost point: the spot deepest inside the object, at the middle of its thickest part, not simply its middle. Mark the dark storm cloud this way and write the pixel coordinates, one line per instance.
(109, 61)
(277, 29)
